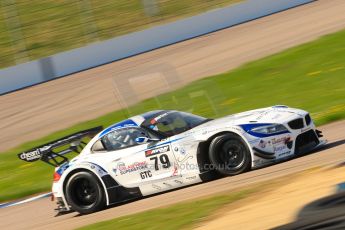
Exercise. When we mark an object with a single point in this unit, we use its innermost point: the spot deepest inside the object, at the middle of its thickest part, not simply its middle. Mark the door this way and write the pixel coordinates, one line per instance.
(122, 157)
(161, 162)
(132, 164)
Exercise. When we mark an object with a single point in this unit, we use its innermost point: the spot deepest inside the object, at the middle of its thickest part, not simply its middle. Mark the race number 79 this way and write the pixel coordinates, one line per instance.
(163, 159)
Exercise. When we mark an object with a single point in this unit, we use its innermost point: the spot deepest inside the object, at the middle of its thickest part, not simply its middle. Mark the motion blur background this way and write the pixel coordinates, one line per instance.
(30, 30)
(252, 65)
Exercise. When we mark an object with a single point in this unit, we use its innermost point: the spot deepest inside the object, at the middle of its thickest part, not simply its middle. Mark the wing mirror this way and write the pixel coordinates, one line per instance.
(143, 140)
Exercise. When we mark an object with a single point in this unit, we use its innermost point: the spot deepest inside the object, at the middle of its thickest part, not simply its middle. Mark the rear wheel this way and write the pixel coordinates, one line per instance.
(229, 155)
(84, 193)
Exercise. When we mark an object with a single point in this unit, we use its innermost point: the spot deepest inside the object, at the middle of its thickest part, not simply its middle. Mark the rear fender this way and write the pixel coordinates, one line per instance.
(95, 169)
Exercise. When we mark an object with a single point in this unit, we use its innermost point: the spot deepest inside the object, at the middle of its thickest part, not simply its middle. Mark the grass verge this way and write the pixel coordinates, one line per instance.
(43, 28)
(310, 77)
(178, 216)
(190, 214)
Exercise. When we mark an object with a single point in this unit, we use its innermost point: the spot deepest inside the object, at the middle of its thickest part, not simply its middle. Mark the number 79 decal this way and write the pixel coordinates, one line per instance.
(163, 159)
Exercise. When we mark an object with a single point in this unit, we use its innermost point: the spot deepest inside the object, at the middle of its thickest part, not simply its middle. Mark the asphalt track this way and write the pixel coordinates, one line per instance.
(40, 215)
(40, 110)
(192, 59)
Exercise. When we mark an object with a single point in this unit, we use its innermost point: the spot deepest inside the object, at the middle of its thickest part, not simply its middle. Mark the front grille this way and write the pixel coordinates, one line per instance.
(307, 119)
(296, 124)
(306, 141)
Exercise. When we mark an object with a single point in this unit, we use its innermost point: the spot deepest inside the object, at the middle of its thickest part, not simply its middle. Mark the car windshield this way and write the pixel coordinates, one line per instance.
(170, 123)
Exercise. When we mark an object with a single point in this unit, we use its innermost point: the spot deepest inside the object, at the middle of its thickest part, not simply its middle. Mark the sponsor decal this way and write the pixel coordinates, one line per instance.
(259, 162)
(156, 187)
(212, 130)
(167, 184)
(159, 150)
(262, 114)
(254, 141)
(191, 178)
(145, 174)
(184, 159)
(123, 169)
(237, 129)
(123, 124)
(279, 148)
(62, 168)
(284, 154)
(182, 151)
(175, 171)
(280, 140)
(178, 182)
(31, 156)
(156, 119)
(281, 144)
(262, 144)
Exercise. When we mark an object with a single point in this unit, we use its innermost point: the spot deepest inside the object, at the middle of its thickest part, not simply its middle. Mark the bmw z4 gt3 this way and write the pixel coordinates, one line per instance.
(163, 150)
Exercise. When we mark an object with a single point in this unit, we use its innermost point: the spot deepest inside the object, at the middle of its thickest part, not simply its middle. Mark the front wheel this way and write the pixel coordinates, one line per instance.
(229, 154)
(84, 193)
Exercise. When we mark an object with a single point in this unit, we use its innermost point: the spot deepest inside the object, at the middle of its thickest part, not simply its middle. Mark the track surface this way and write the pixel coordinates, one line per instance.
(37, 111)
(82, 99)
(40, 215)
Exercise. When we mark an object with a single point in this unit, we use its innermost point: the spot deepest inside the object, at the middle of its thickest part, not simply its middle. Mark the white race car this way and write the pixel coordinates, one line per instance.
(162, 150)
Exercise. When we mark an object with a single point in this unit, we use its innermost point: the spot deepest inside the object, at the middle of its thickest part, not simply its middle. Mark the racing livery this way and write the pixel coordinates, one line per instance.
(166, 149)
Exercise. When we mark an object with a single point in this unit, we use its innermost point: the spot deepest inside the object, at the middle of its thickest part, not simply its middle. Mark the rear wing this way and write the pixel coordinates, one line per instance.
(53, 152)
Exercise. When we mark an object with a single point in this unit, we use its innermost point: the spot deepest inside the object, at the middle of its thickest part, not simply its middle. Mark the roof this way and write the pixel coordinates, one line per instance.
(134, 121)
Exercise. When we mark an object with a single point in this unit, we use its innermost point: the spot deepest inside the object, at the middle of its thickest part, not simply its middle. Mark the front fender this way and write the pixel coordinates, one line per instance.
(209, 133)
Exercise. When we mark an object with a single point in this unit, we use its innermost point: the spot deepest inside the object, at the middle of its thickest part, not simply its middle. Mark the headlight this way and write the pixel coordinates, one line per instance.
(269, 129)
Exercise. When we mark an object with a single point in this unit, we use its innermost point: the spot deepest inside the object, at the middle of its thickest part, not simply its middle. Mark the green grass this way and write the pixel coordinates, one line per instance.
(190, 214)
(50, 26)
(310, 76)
(178, 216)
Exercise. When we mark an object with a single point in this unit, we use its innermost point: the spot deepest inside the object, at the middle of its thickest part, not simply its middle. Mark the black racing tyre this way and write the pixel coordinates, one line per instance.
(229, 155)
(84, 193)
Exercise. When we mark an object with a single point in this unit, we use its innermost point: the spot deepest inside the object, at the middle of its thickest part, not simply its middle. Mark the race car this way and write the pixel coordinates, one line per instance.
(167, 149)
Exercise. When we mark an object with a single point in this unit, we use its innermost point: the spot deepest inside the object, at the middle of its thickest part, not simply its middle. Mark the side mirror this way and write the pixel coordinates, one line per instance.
(143, 140)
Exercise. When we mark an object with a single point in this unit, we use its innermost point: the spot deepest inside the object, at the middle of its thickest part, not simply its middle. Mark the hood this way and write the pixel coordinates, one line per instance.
(274, 114)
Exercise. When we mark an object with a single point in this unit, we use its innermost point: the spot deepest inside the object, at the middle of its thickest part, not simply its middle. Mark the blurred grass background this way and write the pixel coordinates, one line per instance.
(310, 77)
(34, 29)
(179, 216)
(194, 213)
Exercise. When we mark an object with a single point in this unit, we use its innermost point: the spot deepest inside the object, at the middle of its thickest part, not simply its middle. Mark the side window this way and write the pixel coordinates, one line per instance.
(122, 138)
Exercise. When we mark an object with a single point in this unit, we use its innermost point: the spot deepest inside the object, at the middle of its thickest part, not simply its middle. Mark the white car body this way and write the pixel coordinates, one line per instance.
(130, 172)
